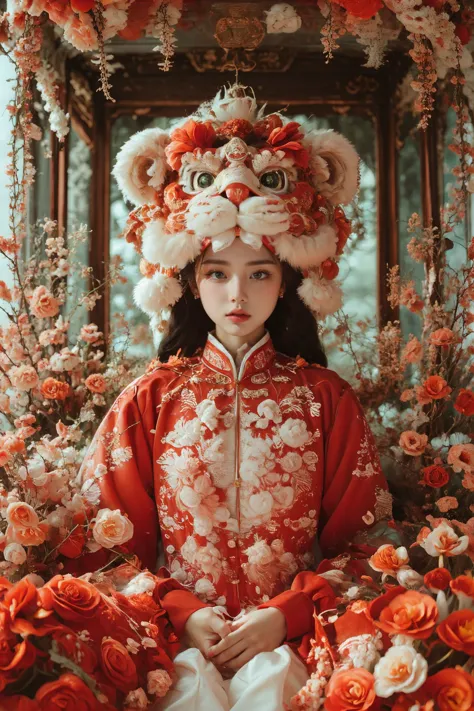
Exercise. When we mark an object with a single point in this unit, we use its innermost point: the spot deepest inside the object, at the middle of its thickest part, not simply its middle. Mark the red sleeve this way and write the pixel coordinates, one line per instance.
(355, 493)
(354, 497)
(123, 445)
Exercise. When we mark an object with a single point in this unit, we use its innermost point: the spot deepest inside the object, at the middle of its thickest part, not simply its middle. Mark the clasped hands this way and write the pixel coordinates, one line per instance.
(231, 644)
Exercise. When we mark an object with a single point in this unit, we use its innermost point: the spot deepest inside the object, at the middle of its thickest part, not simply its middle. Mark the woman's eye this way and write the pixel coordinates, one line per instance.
(260, 275)
(203, 180)
(274, 180)
(215, 275)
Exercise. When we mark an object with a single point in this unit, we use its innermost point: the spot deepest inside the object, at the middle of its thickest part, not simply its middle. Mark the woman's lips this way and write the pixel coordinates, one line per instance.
(238, 318)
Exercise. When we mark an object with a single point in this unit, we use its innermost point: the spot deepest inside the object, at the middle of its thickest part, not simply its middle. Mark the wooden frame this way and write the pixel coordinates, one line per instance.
(299, 81)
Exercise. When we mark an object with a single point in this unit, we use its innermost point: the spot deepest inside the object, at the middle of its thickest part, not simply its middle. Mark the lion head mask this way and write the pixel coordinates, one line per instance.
(231, 171)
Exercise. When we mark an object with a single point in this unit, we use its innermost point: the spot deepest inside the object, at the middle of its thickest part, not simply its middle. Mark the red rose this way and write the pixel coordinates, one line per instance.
(15, 659)
(73, 545)
(65, 694)
(350, 690)
(72, 599)
(82, 5)
(435, 476)
(437, 579)
(118, 666)
(364, 9)
(21, 599)
(465, 402)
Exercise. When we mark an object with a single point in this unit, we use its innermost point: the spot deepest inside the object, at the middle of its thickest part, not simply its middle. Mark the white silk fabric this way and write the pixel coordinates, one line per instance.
(266, 683)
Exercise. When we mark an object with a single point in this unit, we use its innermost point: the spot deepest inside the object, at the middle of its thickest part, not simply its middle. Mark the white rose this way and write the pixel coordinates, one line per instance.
(292, 462)
(136, 699)
(444, 541)
(401, 670)
(282, 17)
(15, 553)
(112, 528)
(294, 433)
(409, 578)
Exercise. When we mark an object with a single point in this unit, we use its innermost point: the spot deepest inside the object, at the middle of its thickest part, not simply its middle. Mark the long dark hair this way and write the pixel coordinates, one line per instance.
(292, 326)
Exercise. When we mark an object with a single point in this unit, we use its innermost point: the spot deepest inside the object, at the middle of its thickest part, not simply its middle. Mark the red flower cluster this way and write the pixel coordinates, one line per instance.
(114, 640)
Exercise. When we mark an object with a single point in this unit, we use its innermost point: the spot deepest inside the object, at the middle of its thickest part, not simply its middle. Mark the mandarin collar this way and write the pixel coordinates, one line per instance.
(258, 358)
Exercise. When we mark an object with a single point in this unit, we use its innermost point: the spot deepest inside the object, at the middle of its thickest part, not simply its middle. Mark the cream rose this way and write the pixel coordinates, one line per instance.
(461, 457)
(14, 553)
(158, 682)
(112, 528)
(24, 377)
(444, 541)
(401, 669)
(294, 433)
(136, 699)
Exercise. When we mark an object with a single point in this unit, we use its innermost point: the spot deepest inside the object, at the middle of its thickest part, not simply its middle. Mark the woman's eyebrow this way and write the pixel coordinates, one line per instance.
(249, 264)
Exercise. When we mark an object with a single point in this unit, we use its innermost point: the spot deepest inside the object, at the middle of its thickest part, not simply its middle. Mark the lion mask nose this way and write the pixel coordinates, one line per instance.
(237, 193)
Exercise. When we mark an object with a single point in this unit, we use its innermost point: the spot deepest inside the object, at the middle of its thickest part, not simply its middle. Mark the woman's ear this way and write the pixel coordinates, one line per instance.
(141, 166)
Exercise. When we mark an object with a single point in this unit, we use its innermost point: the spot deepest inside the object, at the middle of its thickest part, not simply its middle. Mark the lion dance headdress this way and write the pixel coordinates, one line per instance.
(230, 171)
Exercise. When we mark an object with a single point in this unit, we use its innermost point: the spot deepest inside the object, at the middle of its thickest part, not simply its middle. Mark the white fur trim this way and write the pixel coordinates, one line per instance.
(169, 250)
(141, 166)
(210, 216)
(156, 294)
(321, 296)
(335, 165)
(308, 250)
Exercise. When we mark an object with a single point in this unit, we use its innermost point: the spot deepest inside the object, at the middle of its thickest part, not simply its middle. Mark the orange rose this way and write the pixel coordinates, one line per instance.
(350, 689)
(53, 389)
(21, 515)
(437, 579)
(436, 387)
(413, 351)
(96, 383)
(43, 304)
(457, 631)
(73, 545)
(435, 476)
(412, 443)
(451, 690)
(411, 613)
(21, 599)
(118, 665)
(388, 559)
(71, 598)
(442, 337)
(461, 457)
(67, 692)
(465, 402)
(28, 535)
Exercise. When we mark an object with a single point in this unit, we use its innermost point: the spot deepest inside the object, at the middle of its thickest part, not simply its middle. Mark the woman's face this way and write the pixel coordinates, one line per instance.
(239, 288)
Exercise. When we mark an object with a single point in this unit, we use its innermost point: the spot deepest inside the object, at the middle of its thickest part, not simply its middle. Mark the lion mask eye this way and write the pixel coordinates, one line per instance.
(201, 180)
(275, 180)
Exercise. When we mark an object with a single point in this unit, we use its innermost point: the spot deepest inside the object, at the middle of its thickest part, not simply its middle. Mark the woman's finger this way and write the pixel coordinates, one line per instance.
(225, 643)
(239, 661)
(224, 657)
(222, 627)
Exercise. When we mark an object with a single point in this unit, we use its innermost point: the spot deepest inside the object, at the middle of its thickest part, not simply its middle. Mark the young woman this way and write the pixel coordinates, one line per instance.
(240, 459)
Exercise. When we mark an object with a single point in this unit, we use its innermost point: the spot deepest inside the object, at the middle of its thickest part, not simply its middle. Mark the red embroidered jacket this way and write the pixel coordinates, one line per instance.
(245, 478)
